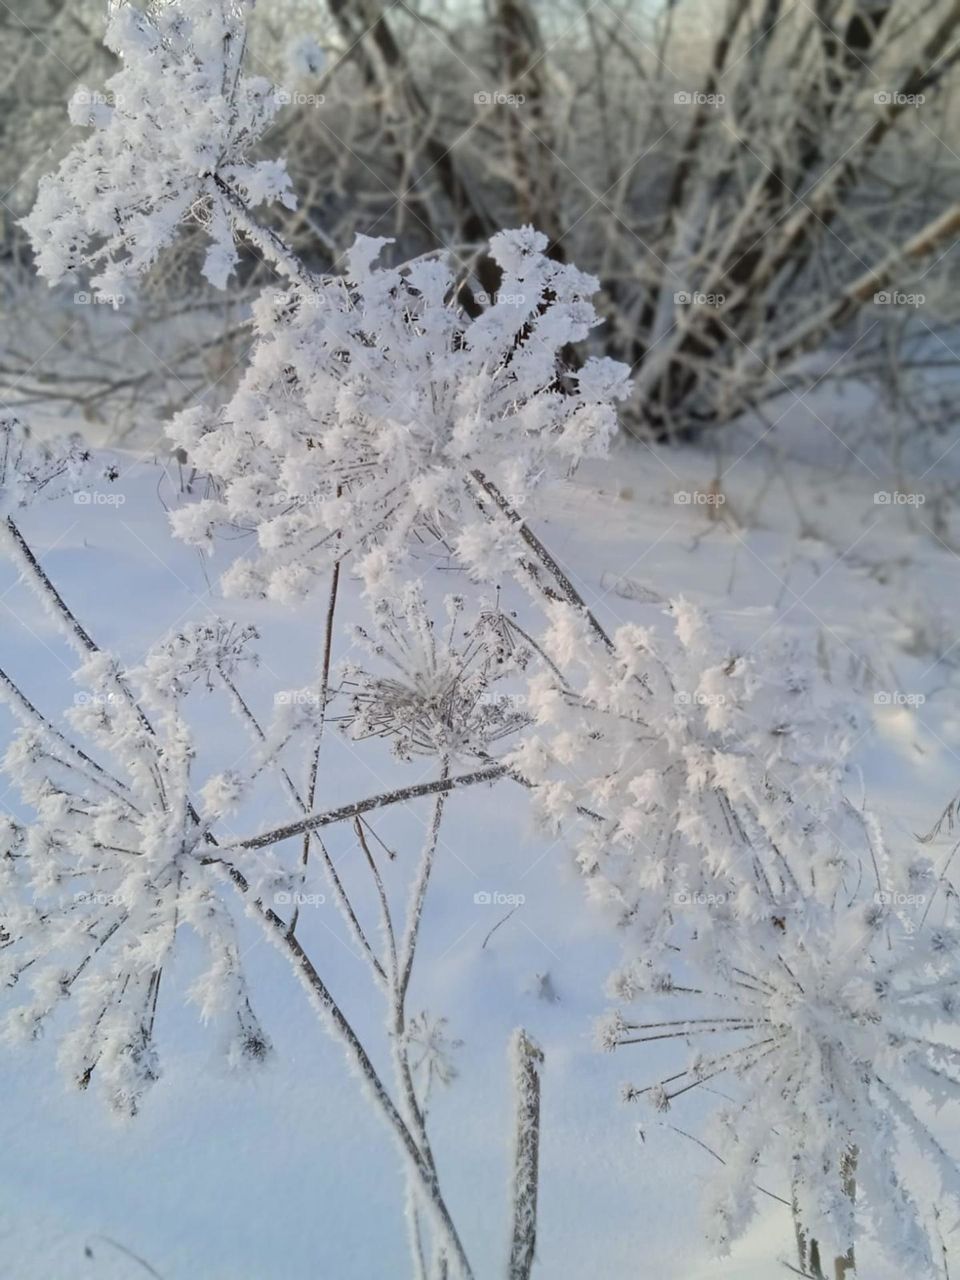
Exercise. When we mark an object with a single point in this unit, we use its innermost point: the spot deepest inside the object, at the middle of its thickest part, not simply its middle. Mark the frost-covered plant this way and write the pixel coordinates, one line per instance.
(381, 422)
(200, 651)
(827, 1016)
(375, 408)
(123, 852)
(172, 133)
(691, 769)
(432, 1052)
(708, 784)
(438, 696)
(34, 469)
(117, 863)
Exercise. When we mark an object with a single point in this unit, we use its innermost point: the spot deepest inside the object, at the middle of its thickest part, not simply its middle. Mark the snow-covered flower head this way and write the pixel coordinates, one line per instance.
(33, 469)
(172, 132)
(433, 1050)
(831, 1020)
(376, 410)
(198, 652)
(115, 864)
(693, 769)
(436, 696)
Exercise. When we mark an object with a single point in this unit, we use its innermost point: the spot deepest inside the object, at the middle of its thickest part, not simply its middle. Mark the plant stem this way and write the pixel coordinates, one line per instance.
(528, 1062)
(315, 821)
(325, 1003)
(567, 590)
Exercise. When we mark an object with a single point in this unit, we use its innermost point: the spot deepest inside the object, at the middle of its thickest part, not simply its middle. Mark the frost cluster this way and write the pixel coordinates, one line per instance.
(116, 863)
(830, 1024)
(32, 469)
(692, 772)
(171, 138)
(372, 405)
(434, 695)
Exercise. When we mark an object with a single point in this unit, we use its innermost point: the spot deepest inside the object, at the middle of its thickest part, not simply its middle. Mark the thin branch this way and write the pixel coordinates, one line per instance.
(324, 694)
(336, 884)
(385, 798)
(568, 591)
(420, 890)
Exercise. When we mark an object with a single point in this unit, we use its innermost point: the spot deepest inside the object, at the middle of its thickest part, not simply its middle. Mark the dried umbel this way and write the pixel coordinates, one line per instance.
(435, 693)
(116, 862)
(199, 652)
(31, 469)
(709, 786)
(432, 1052)
(690, 769)
(172, 134)
(375, 409)
(827, 1020)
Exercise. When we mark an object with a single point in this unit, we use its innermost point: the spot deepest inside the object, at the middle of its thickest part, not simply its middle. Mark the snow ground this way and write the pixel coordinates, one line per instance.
(289, 1177)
